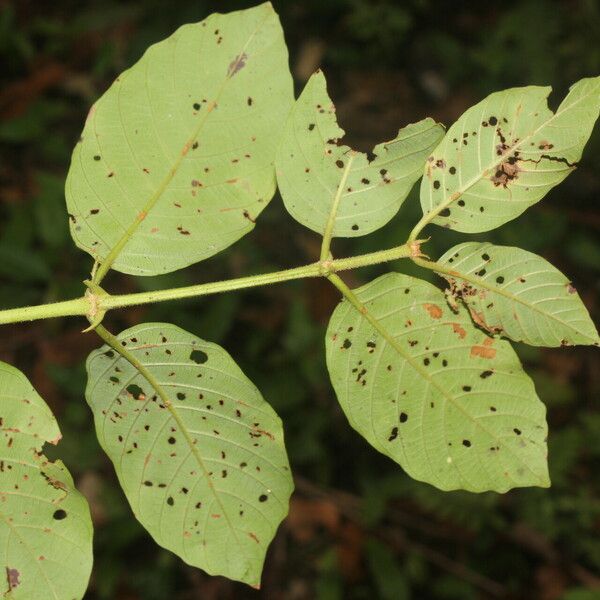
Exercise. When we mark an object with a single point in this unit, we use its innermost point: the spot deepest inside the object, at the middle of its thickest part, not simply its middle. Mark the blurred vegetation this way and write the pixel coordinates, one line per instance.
(359, 528)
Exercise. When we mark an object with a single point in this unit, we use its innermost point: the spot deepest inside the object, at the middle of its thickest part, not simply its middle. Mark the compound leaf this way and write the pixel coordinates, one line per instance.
(517, 294)
(176, 159)
(45, 524)
(319, 176)
(427, 388)
(505, 153)
(198, 452)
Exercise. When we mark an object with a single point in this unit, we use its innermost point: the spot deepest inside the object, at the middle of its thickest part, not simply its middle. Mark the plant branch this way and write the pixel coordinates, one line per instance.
(66, 308)
(94, 303)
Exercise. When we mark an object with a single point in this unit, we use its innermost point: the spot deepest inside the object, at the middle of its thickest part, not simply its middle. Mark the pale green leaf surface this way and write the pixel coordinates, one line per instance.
(505, 153)
(517, 294)
(177, 156)
(45, 525)
(318, 175)
(425, 387)
(207, 476)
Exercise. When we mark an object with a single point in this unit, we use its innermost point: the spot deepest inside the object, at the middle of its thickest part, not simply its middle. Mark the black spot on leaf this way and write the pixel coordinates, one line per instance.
(198, 356)
(136, 391)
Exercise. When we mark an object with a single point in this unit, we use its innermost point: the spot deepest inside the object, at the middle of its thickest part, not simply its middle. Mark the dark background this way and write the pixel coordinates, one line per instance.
(359, 528)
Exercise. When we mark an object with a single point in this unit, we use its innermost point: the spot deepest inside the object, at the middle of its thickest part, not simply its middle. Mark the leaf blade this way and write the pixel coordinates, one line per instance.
(176, 159)
(517, 294)
(228, 494)
(45, 524)
(505, 153)
(451, 405)
(314, 174)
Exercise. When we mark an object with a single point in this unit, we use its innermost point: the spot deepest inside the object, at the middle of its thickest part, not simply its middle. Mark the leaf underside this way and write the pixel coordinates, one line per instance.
(45, 524)
(315, 170)
(425, 387)
(518, 294)
(505, 153)
(198, 452)
(176, 158)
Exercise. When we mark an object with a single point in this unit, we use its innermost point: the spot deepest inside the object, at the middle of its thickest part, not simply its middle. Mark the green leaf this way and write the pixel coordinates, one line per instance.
(198, 452)
(176, 159)
(505, 153)
(517, 294)
(425, 387)
(319, 176)
(45, 525)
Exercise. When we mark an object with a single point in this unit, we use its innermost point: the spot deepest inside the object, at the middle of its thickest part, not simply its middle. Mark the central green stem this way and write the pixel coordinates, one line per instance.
(93, 303)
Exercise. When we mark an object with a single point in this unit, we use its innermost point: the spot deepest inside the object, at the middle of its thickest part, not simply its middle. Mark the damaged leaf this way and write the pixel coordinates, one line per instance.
(45, 525)
(505, 153)
(198, 452)
(176, 159)
(427, 388)
(318, 175)
(517, 294)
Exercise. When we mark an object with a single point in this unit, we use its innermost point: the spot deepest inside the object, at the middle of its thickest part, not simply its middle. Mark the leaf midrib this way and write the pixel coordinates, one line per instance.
(483, 283)
(459, 193)
(429, 379)
(149, 205)
(154, 383)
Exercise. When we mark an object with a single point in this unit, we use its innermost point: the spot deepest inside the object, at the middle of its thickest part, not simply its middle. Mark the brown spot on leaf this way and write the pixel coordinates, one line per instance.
(247, 216)
(55, 483)
(459, 330)
(237, 64)
(485, 350)
(506, 172)
(435, 312)
(12, 576)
